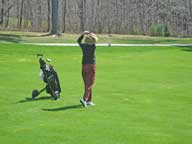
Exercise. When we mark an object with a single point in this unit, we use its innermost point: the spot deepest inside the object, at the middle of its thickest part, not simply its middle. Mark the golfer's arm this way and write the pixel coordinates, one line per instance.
(80, 39)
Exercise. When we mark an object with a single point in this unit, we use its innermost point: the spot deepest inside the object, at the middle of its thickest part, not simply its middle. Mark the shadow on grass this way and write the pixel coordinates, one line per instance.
(36, 99)
(16, 38)
(64, 108)
(151, 41)
(186, 48)
(31, 35)
(10, 38)
(165, 41)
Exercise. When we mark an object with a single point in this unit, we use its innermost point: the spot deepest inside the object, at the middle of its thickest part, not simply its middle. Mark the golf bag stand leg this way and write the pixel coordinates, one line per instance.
(35, 93)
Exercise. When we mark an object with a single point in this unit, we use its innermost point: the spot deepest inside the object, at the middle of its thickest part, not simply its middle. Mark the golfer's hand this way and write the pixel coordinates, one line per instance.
(86, 32)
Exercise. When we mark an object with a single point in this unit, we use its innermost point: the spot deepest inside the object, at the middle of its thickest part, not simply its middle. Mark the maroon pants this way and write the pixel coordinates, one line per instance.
(88, 74)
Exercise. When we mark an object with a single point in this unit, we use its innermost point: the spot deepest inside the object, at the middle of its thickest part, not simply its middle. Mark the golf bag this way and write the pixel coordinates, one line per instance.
(50, 77)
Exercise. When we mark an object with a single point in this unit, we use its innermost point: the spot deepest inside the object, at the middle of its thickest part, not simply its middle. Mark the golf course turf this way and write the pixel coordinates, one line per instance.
(143, 95)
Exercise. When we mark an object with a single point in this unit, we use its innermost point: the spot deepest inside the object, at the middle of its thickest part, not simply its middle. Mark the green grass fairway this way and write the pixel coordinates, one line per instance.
(143, 95)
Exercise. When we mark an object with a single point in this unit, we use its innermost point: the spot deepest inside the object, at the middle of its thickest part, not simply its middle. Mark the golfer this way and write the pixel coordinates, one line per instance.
(88, 65)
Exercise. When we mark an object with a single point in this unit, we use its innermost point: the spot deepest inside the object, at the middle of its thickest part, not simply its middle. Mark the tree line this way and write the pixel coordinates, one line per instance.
(145, 17)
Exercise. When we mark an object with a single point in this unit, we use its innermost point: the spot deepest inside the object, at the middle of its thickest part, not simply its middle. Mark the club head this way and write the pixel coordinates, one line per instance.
(35, 93)
(39, 55)
(48, 60)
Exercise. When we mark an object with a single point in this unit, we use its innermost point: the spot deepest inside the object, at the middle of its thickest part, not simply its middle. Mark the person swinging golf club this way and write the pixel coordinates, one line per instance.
(88, 65)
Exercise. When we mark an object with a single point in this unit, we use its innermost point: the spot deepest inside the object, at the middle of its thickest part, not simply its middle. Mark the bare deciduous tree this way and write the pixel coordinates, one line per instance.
(147, 17)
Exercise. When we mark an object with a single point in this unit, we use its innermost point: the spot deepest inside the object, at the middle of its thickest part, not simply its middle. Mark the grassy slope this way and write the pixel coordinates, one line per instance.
(142, 96)
(30, 37)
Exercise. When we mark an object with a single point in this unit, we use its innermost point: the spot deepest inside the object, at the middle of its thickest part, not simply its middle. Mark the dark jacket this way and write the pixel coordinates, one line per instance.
(88, 51)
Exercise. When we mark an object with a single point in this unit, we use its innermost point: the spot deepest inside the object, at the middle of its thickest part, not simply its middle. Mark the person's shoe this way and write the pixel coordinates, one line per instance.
(83, 102)
(90, 103)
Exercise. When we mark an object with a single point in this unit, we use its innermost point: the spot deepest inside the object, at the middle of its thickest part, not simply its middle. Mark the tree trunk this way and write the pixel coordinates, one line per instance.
(7, 16)
(81, 14)
(64, 14)
(21, 15)
(2, 12)
(190, 8)
(48, 16)
(55, 18)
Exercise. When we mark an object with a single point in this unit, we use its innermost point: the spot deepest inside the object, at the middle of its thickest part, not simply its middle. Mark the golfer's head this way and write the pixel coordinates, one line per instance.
(91, 38)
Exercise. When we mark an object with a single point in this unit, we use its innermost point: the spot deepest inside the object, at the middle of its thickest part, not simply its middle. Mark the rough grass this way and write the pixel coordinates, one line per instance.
(142, 96)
